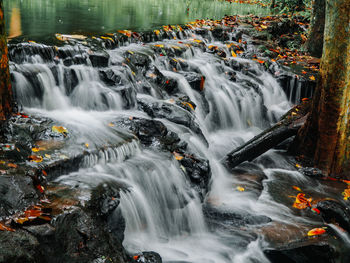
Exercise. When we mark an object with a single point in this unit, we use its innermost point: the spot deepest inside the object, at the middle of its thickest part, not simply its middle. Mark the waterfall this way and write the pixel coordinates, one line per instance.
(162, 211)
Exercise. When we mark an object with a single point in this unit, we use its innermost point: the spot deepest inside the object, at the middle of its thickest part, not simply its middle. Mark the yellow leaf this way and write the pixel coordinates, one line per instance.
(298, 165)
(160, 45)
(240, 188)
(312, 78)
(110, 124)
(233, 54)
(178, 156)
(346, 194)
(48, 156)
(59, 129)
(86, 145)
(38, 149)
(157, 32)
(263, 27)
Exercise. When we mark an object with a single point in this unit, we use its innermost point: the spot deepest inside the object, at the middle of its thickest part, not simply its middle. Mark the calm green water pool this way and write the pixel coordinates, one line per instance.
(40, 19)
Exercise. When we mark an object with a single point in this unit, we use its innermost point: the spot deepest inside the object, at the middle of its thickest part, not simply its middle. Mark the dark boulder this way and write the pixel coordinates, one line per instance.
(333, 211)
(19, 247)
(16, 193)
(99, 60)
(148, 257)
(172, 113)
(319, 252)
(153, 133)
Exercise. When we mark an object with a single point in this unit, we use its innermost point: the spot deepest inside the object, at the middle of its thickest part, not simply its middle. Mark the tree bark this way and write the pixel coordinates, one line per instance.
(314, 44)
(326, 135)
(6, 101)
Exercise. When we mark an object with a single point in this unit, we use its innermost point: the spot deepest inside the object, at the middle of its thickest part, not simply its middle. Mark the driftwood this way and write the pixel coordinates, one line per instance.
(288, 126)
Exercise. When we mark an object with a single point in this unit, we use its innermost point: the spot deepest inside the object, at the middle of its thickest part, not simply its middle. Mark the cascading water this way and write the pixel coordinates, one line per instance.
(163, 212)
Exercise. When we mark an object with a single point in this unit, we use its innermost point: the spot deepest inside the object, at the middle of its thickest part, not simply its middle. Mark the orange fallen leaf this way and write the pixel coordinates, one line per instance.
(201, 85)
(36, 158)
(178, 156)
(301, 202)
(233, 54)
(6, 228)
(44, 172)
(316, 231)
(312, 78)
(297, 188)
(346, 194)
(12, 165)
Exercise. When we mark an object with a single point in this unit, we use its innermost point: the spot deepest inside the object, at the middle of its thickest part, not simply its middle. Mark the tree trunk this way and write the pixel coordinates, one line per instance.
(287, 127)
(326, 134)
(6, 102)
(314, 43)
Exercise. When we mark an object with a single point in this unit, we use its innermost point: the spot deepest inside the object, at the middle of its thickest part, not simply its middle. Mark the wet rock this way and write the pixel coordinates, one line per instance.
(194, 80)
(333, 211)
(198, 171)
(215, 215)
(19, 52)
(172, 113)
(99, 60)
(16, 193)
(312, 172)
(19, 247)
(148, 257)
(110, 77)
(128, 95)
(321, 252)
(153, 133)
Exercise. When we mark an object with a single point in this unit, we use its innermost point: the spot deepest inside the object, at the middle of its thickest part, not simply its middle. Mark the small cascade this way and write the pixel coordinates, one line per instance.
(203, 105)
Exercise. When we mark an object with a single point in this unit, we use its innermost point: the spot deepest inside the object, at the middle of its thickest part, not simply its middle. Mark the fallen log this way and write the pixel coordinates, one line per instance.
(287, 127)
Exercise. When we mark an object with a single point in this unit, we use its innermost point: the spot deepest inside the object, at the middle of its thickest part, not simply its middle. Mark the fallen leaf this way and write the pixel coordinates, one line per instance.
(12, 165)
(233, 54)
(111, 124)
(201, 85)
(86, 145)
(5, 228)
(178, 156)
(240, 188)
(40, 188)
(297, 188)
(301, 202)
(35, 158)
(316, 231)
(315, 210)
(59, 129)
(346, 194)
(44, 172)
(312, 78)
(298, 165)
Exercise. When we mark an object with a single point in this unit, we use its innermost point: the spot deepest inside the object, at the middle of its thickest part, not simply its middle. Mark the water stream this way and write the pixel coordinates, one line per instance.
(163, 212)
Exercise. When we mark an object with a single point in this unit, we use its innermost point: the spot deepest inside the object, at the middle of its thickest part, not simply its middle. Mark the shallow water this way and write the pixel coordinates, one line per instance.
(41, 19)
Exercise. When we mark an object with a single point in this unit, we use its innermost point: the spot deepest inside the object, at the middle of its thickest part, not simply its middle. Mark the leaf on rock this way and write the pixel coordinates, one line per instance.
(178, 156)
(312, 78)
(233, 54)
(240, 188)
(301, 202)
(6, 228)
(12, 165)
(60, 129)
(316, 231)
(36, 158)
(346, 194)
(296, 188)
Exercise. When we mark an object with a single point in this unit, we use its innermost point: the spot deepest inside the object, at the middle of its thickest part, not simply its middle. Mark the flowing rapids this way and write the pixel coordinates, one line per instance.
(163, 212)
